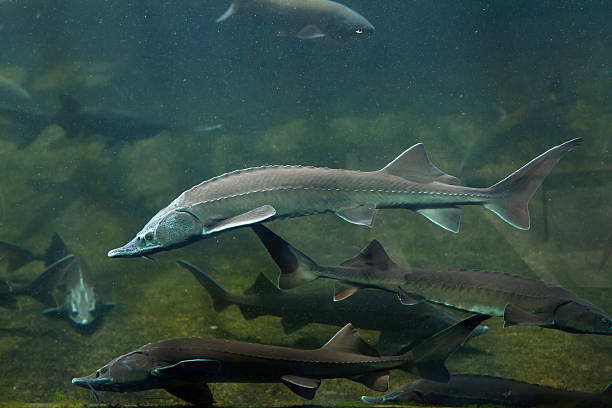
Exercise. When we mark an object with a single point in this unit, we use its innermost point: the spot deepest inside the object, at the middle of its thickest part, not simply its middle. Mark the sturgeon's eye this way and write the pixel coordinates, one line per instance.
(359, 31)
(98, 374)
(148, 236)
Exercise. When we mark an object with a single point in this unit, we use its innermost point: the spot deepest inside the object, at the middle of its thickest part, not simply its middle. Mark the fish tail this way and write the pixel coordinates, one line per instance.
(16, 256)
(426, 359)
(295, 267)
(220, 297)
(513, 193)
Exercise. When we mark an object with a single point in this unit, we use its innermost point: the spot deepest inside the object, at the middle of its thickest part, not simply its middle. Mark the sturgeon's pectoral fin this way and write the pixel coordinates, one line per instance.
(302, 386)
(413, 164)
(195, 370)
(343, 290)
(292, 324)
(378, 381)
(254, 216)
(433, 370)
(514, 315)
(447, 218)
(310, 32)
(197, 394)
(409, 299)
(362, 215)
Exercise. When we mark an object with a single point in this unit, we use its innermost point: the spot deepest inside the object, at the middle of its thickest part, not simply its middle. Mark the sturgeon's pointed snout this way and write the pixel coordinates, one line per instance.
(132, 248)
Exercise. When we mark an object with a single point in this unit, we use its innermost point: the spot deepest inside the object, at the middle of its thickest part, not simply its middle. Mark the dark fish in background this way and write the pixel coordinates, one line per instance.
(116, 125)
(472, 389)
(480, 151)
(520, 300)
(369, 309)
(250, 196)
(183, 366)
(305, 19)
(65, 286)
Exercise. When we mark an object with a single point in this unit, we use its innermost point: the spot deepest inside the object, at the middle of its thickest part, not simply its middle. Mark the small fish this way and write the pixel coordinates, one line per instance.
(472, 389)
(184, 366)
(304, 19)
(9, 87)
(520, 300)
(369, 309)
(65, 286)
(250, 196)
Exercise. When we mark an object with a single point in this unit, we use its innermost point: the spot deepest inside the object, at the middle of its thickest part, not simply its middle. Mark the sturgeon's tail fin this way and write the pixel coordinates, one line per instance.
(513, 193)
(295, 267)
(16, 256)
(220, 297)
(426, 360)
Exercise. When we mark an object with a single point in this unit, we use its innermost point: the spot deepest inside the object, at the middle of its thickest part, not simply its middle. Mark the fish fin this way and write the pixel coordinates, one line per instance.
(414, 165)
(292, 324)
(254, 216)
(198, 394)
(343, 290)
(374, 255)
(57, 249)
(248, 313)
(409, 299)
(447, 218)
(514, 315)
(295, 267)
(231, 10)
(427, 358)
(43, 286)
(262, 286)
(15, 256)
(195, 370)
(302, 386)
(515, 190)
(362, 215)
(378, 381)
(310, 32)
(220, 296)
(348, 340)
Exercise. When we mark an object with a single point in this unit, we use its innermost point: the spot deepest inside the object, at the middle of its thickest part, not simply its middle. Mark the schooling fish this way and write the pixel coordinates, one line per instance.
(183, 366)
(369, 309)
(518, 299)
(305, 19)
(65, 286)
(250, 196)
(472, 389)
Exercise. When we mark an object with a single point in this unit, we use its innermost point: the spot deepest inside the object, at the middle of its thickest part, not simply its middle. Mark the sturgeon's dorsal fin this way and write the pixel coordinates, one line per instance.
(374, 255)
(253, 216)
(413, 164)
(347, 340)
(262, 286)
(57, 249)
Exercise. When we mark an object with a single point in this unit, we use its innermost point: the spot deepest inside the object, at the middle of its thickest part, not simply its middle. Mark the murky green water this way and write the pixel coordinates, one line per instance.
(432, 74)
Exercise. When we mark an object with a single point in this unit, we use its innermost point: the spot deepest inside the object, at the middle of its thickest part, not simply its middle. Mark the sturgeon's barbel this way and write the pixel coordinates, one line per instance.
(258, 194)
(520, 300)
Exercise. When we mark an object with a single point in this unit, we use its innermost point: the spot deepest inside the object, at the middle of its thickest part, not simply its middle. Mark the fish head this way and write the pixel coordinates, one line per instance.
(169, 228)
(82, 304)
(129, 372)
(576, 317)
(349, 24)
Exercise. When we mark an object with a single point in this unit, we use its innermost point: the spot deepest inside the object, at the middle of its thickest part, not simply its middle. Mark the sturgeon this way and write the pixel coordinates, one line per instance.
(520, 300)
(369, 309)
(184, 366)
(473, 389)
(254, 195)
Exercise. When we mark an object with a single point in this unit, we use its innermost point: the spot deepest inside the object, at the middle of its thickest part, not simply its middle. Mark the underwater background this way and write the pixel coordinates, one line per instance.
(496, 81)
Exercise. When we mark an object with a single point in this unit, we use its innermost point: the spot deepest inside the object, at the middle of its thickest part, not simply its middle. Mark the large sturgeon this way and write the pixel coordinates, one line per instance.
(184, 366)
(258, 194)
(518, 299)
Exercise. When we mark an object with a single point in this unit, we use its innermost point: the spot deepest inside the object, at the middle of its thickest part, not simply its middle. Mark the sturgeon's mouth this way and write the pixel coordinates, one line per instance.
(132, 248)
